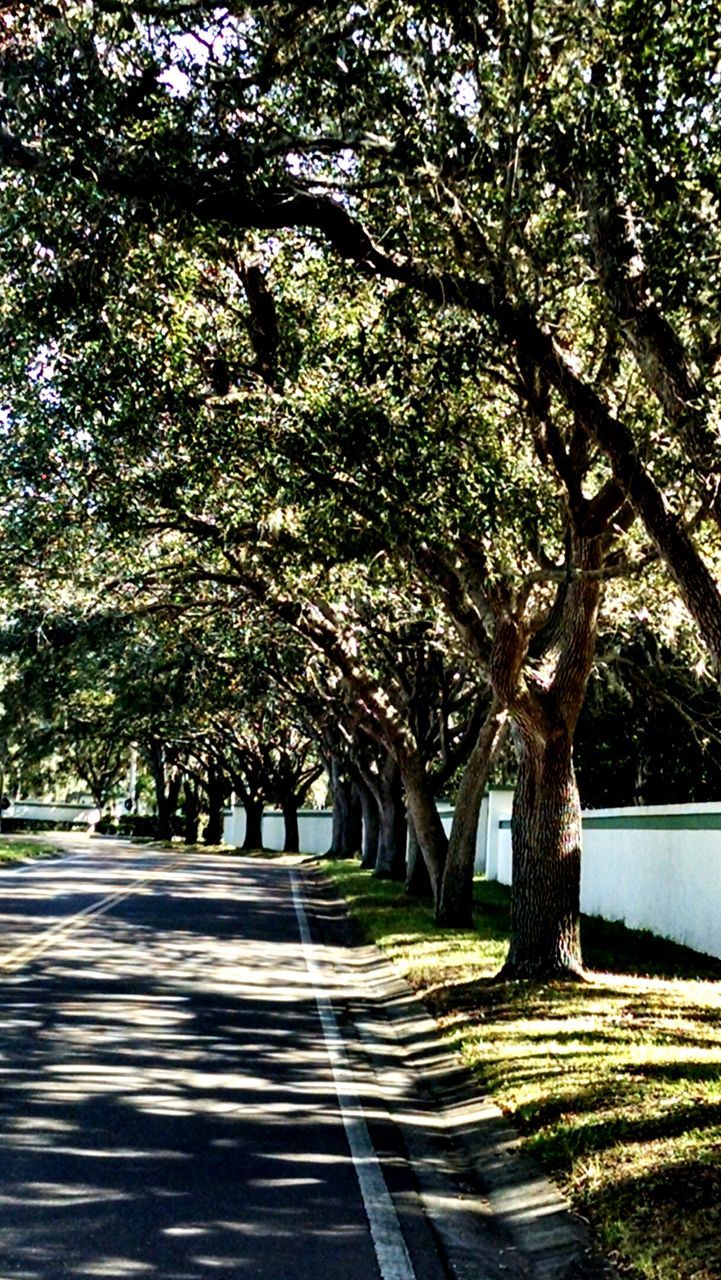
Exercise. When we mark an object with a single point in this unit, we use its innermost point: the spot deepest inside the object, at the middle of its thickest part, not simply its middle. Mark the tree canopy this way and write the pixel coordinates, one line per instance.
(394, 322)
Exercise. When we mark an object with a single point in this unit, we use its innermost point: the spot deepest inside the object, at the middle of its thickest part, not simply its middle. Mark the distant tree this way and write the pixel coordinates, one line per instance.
(59, 704)
(650, 730)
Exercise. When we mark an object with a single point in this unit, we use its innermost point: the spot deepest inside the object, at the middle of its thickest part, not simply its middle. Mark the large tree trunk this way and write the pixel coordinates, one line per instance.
(213, 833)
(371, 826)
(167, 803)
(253, 838)
(545, 931)
(191, 812)
(418, 881)
(424, 814)
(291, 842)
(455, 903)
(99, 801)
(545, 937)
(391, 857)
(347, 833)
(167, 790)
(99, 794)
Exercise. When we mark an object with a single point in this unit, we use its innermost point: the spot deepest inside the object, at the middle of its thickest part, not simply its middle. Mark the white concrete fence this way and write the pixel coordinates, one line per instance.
(315, 826)
(656, 867)
(81, 815)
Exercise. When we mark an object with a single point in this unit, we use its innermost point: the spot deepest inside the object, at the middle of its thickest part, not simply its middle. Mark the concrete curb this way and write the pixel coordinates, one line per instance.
(527, 1207)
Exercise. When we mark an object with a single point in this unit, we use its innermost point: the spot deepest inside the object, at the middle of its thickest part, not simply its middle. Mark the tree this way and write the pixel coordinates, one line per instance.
(471, 571)
(59, 703)
(649, 732)
(490, 229)
(501, 128)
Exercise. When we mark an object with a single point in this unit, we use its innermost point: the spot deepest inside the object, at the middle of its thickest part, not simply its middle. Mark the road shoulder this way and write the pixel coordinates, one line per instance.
(548, 1241)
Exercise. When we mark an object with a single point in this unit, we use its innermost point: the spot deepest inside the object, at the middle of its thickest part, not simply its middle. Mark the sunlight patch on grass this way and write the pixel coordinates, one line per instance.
(12, 851)
(614, 1084)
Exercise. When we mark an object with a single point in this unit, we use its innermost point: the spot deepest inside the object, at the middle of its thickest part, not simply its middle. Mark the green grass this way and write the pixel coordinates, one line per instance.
(614, 1084)
(12, 851)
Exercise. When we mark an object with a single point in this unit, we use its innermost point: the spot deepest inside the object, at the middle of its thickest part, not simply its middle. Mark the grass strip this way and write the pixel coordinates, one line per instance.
(14, 851)
(614, 1084)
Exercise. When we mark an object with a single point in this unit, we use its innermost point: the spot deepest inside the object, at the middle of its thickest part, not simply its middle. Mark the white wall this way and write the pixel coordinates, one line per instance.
(273, 833)
(314, 829)
(234, 826)
(39, 811)
(445, 812)
(315, 825)
(656, 867)
(498, 804)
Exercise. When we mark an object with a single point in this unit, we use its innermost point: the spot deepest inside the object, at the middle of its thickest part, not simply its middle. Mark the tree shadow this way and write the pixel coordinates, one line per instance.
(167, 1107)
(639, 1215)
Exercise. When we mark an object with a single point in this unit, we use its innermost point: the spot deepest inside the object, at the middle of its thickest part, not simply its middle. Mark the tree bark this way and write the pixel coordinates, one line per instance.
(167, 790)
(167, 804)
(546, 828)
(346, 836)
(371, 826)
(455, 902)
(422, 809)
(291, 842)
(418, 881)
(391, 857)
(253, 838)
(191, 807)
(213, 833)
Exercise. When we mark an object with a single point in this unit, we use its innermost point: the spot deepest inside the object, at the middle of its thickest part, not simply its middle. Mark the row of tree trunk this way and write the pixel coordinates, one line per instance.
(196, 791)
(379, 829)
(385, 814)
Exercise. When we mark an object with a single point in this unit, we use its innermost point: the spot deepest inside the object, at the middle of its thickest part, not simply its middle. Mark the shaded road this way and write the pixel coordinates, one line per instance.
(180, 1097)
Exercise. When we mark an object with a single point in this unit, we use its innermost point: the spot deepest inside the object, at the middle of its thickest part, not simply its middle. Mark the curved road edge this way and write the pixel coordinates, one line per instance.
(524, 1204)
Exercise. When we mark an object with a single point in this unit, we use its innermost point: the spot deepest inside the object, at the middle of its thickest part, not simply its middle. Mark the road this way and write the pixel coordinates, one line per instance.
(189, 1087)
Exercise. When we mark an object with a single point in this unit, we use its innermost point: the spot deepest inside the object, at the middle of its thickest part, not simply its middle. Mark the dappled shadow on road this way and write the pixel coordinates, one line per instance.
(40, 895)
(528, 1230)
(167, 1109)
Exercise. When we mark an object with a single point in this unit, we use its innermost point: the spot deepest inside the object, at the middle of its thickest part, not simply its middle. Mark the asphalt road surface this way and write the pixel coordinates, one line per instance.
(189, 1088)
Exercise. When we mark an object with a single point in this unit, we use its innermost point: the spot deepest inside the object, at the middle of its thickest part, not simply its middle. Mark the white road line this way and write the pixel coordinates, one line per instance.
(391, 1252)
(34, 947)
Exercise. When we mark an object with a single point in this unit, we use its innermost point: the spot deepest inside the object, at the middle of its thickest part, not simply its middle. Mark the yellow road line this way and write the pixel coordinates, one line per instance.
(36, 946)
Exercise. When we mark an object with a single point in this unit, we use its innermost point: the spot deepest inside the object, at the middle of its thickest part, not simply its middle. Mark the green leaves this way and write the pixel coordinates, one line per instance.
(168, 421)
